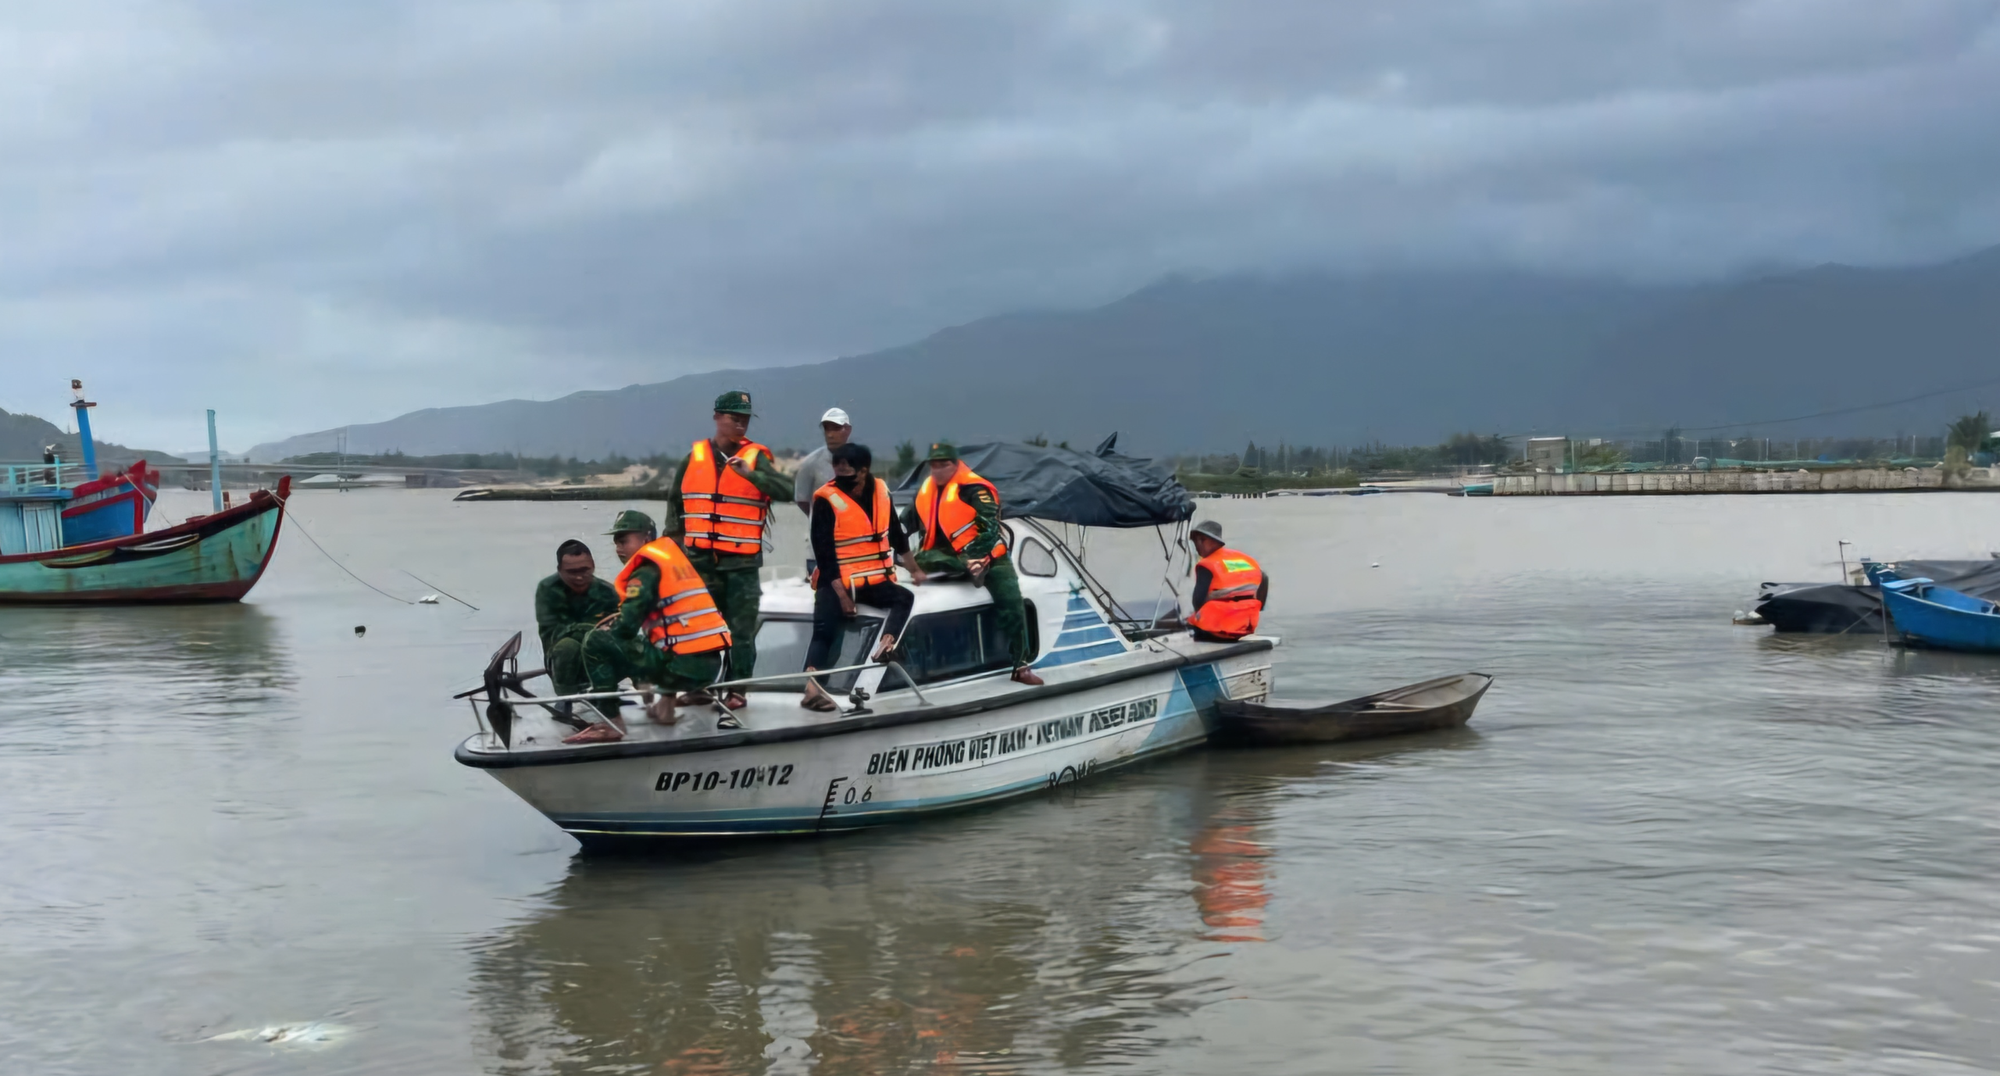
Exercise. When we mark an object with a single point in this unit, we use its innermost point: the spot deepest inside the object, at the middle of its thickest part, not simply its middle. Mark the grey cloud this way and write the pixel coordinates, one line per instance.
(317, 213)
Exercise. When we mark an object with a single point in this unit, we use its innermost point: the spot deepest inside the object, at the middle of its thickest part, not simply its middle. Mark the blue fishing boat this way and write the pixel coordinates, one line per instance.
(1927, 614)
(69, 534)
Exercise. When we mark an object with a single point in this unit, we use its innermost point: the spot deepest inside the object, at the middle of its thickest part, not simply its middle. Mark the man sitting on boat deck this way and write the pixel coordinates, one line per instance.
(856, 541)
(667, 633)
(719, 509)
(1230, 588)
(567, 605)
(958, 514)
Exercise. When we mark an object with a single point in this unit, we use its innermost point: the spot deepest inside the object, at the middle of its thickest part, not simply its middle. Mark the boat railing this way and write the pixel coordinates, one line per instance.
(480, 695)
(26, 478)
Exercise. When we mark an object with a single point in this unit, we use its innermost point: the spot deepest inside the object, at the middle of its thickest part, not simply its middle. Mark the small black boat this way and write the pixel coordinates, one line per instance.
(1444, 703)
(1841, 608)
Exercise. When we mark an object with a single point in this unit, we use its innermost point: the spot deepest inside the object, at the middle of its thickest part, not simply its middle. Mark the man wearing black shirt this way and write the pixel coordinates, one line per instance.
(834, 600)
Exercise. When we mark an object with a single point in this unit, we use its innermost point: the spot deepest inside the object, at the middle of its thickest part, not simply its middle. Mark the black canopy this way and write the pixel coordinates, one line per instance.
(1099, 488)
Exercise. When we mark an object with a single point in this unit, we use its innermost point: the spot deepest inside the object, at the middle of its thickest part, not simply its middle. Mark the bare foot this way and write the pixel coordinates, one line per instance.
(661, 710)
(736, 701)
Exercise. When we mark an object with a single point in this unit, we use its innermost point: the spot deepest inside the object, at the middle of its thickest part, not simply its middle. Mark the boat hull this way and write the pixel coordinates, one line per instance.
(210, 559)
(1444, 703)
(895, 772)
(1930, 623)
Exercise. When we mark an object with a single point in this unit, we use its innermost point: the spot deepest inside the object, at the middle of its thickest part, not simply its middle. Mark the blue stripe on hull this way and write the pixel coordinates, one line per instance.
(1083, 653)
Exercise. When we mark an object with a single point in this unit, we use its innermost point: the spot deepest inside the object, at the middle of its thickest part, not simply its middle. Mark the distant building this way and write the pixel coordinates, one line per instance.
(1549, 455)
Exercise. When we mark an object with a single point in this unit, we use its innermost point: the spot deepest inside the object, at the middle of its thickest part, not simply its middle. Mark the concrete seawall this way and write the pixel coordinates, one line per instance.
(1670, 482)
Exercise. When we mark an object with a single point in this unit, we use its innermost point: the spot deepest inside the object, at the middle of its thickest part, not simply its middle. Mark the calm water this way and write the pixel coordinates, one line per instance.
(1667, 845)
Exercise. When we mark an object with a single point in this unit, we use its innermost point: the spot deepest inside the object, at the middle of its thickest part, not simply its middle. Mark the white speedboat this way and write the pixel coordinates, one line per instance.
(945, 729)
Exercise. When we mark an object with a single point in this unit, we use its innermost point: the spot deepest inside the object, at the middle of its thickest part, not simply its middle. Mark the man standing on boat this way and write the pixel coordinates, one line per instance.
(856, 540)
(667, 631)
(816, 469)
(719, 511)
(1230, 588)
(568, 605)
(958, 514)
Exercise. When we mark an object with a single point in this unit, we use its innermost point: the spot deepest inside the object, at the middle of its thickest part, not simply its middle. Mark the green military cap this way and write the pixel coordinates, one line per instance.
(943, 450)
(735, 402)
(630, 521)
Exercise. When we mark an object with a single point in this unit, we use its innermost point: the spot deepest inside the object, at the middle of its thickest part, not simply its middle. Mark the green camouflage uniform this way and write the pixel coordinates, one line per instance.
(935, 555)
(563, 618)
(731, 578)
(622, 650)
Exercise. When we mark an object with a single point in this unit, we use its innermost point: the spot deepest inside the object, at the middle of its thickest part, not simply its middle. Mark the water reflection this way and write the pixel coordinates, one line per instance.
(58, 663)
(1068, 932)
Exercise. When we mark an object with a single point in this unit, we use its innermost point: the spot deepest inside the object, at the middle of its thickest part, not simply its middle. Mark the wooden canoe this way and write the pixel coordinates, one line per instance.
(1444, 703)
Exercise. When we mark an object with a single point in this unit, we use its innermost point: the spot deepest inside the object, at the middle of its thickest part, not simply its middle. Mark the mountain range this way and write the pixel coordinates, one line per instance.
(22, 438)
(1313, 358)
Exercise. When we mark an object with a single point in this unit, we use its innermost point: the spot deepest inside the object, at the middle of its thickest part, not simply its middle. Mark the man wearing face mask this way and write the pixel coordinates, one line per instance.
(856, 540)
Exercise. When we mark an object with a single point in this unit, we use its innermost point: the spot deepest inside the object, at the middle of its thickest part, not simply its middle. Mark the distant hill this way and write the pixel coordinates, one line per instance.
(22, 438)
(1325, 359)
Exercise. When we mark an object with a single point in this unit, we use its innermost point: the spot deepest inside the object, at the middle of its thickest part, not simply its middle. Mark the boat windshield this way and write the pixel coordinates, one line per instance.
(781, 648)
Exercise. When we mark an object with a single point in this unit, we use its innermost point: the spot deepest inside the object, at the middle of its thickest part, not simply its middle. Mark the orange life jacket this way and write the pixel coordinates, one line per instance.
(683, 619)
(956, 517)
(720, 509)
(861, 543)
(1230, 612)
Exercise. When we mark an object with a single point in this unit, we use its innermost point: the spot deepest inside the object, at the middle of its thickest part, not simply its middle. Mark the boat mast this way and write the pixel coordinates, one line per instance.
(83, 407)
(214, 464)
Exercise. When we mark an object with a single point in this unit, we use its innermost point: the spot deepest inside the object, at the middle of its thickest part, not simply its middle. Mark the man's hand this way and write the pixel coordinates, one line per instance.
(846, 599)
(977, 565)
(604, 622)
(917, 576)
(740, 466)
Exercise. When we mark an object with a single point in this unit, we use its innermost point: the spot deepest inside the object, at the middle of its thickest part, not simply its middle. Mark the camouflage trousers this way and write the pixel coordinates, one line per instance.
(739, 596)
(1003, 584)
(610, 659)
(565, 661)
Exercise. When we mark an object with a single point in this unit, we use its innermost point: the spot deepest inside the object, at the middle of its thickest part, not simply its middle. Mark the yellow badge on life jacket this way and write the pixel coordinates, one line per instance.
(1237, 565)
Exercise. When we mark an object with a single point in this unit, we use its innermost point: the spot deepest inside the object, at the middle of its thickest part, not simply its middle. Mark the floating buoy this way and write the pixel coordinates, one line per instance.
(1376, 564)
(428, 599)
(360, 630)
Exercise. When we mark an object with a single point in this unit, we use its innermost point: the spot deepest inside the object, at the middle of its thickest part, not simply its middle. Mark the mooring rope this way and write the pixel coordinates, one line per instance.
(300, 527)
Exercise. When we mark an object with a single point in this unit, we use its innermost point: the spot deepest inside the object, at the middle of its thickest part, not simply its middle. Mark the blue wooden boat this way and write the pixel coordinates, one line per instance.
(69, 534)
(210, 558)
(1931, 615)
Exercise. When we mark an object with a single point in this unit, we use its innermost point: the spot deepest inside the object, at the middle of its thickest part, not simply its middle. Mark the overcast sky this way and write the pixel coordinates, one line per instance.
(312, 213)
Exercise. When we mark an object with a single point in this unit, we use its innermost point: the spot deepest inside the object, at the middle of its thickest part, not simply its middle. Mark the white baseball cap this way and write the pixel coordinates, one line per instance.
(836, 416)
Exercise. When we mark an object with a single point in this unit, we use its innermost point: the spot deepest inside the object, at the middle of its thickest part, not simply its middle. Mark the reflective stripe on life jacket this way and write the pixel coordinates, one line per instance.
(958, 518)
(861, 543)
(683, 618)
(720, 509)
(1230, 612)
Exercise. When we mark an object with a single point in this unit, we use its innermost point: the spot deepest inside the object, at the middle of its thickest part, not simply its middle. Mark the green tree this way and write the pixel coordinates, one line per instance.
(906, 460)
(1604, 455)
(1970, 432)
